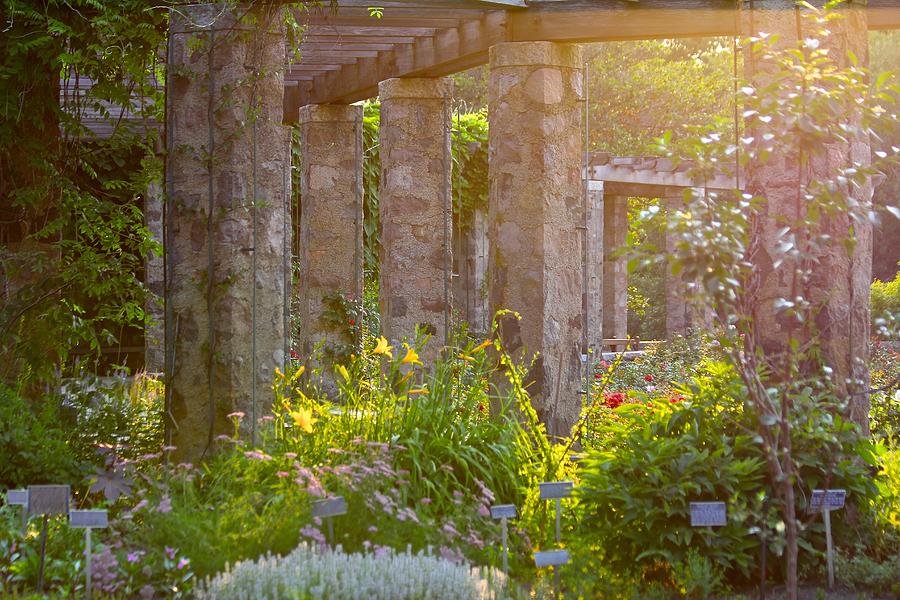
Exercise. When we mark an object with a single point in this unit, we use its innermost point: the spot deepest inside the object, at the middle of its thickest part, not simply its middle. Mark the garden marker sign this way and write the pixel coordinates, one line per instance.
(327, 509)
(556, 490)
(551, 558)
(47, 500)
(88, 520)
(19, 498)
(504, 512)
(825, 501)
(708, 514)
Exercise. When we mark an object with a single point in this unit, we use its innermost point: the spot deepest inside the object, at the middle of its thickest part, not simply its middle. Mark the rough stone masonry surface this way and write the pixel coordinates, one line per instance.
(840, 281)
(535, 211)
(331, 215)
(415, 178)
(223, 365)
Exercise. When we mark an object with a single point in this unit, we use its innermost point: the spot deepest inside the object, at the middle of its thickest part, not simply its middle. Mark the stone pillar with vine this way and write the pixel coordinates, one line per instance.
(226, 219)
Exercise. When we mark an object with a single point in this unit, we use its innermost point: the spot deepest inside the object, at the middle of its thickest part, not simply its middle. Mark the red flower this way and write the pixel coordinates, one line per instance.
(352, 322)
(648, 377)
(614, 400)
(597, 375)
(294, 354)
(676, 399)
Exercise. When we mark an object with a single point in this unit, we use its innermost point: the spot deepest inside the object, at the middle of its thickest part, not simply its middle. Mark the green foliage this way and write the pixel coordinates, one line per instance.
(432, 431)
(807, 102)
(885, 305)
(646, 282)
(236, 500)
(69, 269)
(650, 459)
(884, 413)
(33, 443)
(697, 576)
(20, 554)
(860, 571)
(639, 90)
(125, 414)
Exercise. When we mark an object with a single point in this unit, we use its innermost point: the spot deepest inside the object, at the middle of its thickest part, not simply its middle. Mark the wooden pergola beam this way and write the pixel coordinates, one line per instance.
(448, 51)
(315, 38)
(373, 23)
(432, 39)
(346, 46)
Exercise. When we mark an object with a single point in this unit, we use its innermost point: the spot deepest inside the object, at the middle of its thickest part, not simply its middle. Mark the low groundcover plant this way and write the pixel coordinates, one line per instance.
(386, 574)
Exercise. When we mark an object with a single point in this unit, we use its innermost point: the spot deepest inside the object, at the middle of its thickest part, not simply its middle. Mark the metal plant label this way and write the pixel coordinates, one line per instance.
(503, 511)
(708, 514)
(17, 497)
(827, 500)
(88, 519)
(555, 489)
(551, 558)
(330, 507)
(48, 499)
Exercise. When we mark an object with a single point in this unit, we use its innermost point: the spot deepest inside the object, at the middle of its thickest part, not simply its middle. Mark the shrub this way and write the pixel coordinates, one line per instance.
(33, 444)
(306, 573)
(649, 459)
(885, 299)
(114, 412)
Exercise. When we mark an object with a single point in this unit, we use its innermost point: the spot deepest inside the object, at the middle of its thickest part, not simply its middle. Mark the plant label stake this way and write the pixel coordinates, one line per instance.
(47, 500)
(555, 559)
(327, 509)
(556, 490)
(708, 514)
(827, 501)
(763, 539)
(504, 512)
(19, 498)
(88, 520)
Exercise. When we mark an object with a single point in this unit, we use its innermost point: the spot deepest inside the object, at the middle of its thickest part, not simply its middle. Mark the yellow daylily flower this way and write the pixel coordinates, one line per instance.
(343, 371)
(383, 348)
(278, 373)
(405, 378)
(411, 357)
(466, 358)
(297, 373)
(303, 419)
(422, 390)
(482, 346)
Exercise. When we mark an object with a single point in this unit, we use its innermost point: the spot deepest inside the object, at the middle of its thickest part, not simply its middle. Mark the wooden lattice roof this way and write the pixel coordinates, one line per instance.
(347, 51)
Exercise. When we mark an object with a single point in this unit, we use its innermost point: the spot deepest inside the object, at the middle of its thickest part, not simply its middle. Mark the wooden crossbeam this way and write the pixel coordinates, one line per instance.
(358, 39)
(311, 52)
(326, 60)
(448, 51)
(347, 46)
(345, 30)
(371, 22)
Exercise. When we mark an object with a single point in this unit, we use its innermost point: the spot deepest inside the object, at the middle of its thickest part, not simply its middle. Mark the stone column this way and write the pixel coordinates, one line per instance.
(330, 216)
(535, 213)
(415, 188)
(677, 312)
(615, 269)
(595, 266)
(154, 280)
(226, 173)
(469, 274)
(839, 285)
